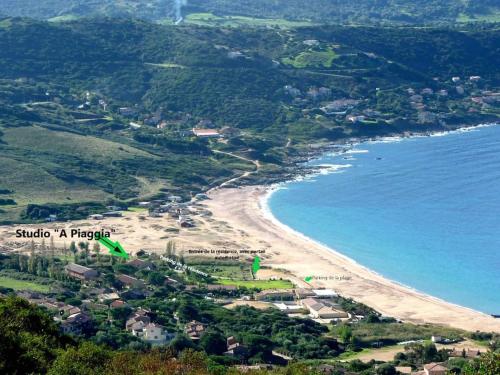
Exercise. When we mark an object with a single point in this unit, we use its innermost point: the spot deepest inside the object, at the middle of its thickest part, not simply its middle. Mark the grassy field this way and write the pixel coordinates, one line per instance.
(209, 19)
(259, 284)
(494, 17)
(8, 282)
(312, 59)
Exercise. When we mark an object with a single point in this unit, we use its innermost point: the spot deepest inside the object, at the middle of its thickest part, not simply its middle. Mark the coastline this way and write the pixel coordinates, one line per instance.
(299, 256)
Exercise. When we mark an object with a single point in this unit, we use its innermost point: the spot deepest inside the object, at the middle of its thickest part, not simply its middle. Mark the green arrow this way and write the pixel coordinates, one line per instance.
(256, 265)
(308, 278)
(114, 247)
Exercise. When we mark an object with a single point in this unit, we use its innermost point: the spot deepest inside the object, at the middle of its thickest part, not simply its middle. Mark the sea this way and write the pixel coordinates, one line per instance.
(421, 211)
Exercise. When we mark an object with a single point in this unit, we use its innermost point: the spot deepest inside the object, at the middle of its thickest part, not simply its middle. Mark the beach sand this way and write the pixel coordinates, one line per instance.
(239, 222)
(295, 254)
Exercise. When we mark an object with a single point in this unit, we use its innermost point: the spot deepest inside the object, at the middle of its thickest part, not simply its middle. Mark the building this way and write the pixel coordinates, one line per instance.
(275, 295)
(118, 303)
(127, 111)
(194, 330)
(435, 369)
(140, 316)
(141, 264)
(324, 293)
(76, 324)
(151, 333)
(206, 133)
(235, 349)
(319, 310)
(131, 282)
(108, 297)
(289, 308)
(81, 272)
(302, 293)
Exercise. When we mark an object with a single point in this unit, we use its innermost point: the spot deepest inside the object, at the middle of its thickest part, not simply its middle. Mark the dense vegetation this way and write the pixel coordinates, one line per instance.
(326, 11)
(62, 86)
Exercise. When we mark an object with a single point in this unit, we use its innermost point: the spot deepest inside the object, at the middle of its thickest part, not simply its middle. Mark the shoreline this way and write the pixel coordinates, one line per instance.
(263, 204)
(334, 149)
(300, 256)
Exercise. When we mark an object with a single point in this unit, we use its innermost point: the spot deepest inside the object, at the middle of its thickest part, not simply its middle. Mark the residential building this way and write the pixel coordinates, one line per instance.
(141, 264)
(319, 310)
(275, 295)
(81, 272)
(206, 133)
(302, 293)
(325, 293)
(76, 324)
(108, 297)
(118, 303)
(235, 349)
(130, 282)
(194, 330)
(435, 369)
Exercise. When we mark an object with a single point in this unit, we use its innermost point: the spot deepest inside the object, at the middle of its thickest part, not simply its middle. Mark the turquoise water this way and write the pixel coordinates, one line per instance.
(422, 211)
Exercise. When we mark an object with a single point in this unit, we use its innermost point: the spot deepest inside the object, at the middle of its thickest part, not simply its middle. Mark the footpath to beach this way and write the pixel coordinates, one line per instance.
(286, 250)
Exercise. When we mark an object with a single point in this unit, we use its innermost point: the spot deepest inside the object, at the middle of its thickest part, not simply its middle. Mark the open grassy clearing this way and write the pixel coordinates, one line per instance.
(209, 19)
(312, 59)
(8, 282)
(43, 140)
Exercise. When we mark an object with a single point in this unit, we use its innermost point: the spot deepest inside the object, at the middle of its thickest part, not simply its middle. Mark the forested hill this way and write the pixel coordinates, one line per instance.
(359, 11)
(320, 11)
(134, 91)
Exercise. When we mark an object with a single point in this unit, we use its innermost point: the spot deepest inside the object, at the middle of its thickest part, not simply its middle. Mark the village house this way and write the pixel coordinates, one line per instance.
(127, 111)
(435, 369)
(289, 308)
(81, 272)
(130, 282)
(141, 264)
(118, 303)
(275, 295)
(140, 316)
(320, 310)
(302, 293)
(206, 133)
(76, 324)
(107, 297)
(355, 119)
(324, 293)
(151, 333)
(194, 330)
(235, 349)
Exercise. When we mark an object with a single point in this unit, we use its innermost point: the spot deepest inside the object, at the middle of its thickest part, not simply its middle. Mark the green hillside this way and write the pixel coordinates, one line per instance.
(65, 141)
(322, 11)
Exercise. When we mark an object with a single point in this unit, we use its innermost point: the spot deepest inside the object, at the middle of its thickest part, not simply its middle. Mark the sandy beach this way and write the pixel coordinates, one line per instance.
(302, 257)
(235, 220)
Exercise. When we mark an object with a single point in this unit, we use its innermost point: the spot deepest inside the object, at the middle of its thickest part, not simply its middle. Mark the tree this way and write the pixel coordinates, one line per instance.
(156, 278)
(72, 247)
(386, 369)
(213, 343)
(87, 359)
(487, 364)
(96, 248)
(181, 342)
(121, 314)
(345, 334)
